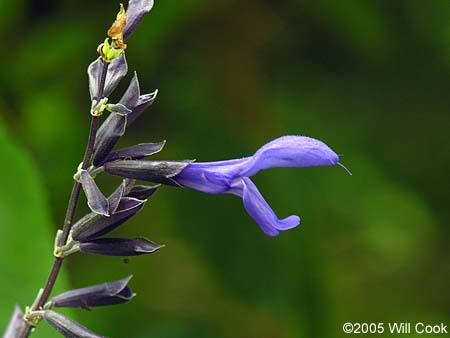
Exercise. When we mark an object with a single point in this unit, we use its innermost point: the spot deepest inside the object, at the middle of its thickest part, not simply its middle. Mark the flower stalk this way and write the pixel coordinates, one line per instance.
(71, 208)
(107, 213)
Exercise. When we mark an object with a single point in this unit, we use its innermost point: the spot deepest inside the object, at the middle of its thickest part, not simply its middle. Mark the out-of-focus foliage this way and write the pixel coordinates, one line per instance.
(370, 78)
(25, 232)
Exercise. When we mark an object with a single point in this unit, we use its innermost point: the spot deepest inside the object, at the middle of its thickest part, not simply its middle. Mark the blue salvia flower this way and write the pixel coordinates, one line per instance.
(232, 177)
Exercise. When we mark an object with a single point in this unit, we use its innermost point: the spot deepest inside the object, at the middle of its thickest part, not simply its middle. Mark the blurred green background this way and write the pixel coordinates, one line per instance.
(370, 78)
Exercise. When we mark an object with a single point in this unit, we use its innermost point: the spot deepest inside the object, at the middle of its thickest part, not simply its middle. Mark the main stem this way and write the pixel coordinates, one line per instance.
(72, 205)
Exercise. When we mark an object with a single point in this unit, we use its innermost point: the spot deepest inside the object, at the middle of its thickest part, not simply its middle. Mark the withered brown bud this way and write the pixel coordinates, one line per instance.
(116, 30)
